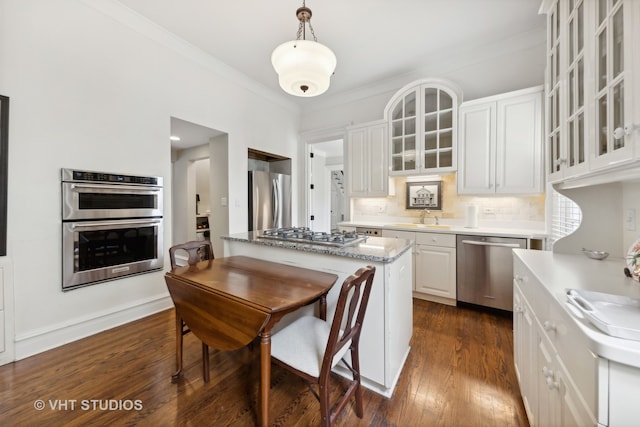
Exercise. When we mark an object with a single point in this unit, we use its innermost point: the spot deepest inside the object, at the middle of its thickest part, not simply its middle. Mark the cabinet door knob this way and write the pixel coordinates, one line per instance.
(548, 326)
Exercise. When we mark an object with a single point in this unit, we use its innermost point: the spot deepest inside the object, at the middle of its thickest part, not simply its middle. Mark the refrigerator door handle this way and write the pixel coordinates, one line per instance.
(276, 205)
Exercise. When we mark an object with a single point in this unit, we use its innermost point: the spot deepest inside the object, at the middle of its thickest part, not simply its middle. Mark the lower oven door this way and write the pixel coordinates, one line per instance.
(95, 251)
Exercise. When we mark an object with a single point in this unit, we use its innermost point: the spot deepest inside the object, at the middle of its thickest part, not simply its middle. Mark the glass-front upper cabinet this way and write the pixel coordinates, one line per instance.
(591, 67)
(613, 100)
(422, 124)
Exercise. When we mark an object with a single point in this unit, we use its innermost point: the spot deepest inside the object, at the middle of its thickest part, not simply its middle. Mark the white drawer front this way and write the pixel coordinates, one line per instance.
(436, 239)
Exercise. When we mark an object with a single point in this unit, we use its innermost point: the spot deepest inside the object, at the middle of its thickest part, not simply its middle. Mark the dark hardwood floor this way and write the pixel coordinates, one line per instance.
(459, 373)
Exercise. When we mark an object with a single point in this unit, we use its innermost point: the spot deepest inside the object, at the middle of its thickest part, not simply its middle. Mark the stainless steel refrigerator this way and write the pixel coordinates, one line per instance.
(269, 200)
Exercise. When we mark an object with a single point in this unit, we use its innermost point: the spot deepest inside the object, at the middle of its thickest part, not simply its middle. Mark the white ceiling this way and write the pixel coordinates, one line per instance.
(374, 40)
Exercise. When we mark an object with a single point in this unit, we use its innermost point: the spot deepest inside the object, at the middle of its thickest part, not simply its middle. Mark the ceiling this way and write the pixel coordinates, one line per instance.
(374, 40)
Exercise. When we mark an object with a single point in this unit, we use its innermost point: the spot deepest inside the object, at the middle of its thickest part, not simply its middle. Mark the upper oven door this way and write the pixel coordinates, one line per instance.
(103, 201)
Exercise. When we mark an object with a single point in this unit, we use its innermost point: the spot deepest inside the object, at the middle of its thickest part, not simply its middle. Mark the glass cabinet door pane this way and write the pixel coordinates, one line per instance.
(580, 87)
(602, 10)
(446, 139)
(446, 159)
(445, 101)
(571, 85)
(446, 120)
(618, 32)
(410, 162)
(571, 37)
(618, 113)
(581, 138)
(572, 145)
(430, 100)
(430, 122)
(430, 160)
(397, 112)
(410, 105)
(410, 143)
(602, 125)
(396, 129)
(410, 126)
(602, 60)
(397, 145)
(431, 141)
(580, 35)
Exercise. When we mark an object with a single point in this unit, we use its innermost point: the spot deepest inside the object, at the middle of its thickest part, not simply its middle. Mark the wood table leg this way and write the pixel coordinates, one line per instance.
(265, 376)
(323, 307)
(179, 327)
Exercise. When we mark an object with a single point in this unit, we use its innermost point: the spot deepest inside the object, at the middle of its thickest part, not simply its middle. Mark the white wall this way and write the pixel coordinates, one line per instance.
(90, 92)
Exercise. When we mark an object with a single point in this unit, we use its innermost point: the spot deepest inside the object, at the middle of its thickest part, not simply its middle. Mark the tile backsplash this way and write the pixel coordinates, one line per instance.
(526, 208)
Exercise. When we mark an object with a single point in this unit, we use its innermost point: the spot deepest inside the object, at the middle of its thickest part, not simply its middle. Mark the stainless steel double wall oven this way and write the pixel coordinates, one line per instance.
(112, 226)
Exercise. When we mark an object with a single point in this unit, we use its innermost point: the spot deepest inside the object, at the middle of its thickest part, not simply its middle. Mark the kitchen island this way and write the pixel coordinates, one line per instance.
(388, 324)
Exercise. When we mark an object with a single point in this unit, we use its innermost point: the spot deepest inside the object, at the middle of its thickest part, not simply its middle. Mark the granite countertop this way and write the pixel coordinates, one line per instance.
(558, 272)
(509, 231)
(374, 249)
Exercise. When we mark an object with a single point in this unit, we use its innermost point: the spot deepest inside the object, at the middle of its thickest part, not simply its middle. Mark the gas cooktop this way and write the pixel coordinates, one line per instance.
(306, 235)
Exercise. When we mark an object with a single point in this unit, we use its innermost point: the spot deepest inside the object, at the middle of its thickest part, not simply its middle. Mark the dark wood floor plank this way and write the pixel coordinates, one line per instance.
(459, 372)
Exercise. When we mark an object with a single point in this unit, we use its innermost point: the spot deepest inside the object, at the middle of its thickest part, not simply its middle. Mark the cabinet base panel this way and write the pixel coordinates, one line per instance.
(434, 298)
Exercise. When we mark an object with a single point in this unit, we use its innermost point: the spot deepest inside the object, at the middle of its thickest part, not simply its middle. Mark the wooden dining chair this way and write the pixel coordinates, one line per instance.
(310, 347)
(197, 250)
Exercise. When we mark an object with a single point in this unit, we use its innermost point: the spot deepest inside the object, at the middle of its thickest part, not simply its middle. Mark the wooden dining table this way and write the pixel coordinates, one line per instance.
(228, 302)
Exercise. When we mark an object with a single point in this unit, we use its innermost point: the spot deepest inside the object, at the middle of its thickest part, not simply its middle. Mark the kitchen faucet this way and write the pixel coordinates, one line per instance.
(424, 213)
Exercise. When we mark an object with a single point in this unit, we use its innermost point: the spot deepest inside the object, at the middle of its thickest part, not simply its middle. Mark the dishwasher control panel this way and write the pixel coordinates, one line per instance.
(377, 232)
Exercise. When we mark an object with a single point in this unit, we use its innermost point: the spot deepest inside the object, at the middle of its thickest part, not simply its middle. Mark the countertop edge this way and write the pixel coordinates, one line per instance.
(323, 250)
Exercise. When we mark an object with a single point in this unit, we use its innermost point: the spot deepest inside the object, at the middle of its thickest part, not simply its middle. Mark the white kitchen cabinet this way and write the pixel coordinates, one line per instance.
(524, 349)
(434, 264)
(501, 144)
(422, 119)
(592, 87)
(367, 162)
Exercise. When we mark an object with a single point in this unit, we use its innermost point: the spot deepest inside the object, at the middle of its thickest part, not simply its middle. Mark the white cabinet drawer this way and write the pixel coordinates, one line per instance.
(436, 239)
(408, 235)
(532, 290)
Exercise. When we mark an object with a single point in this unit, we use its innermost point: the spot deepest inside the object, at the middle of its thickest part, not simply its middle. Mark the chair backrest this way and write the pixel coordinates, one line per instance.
(198, 250)
(349, 314)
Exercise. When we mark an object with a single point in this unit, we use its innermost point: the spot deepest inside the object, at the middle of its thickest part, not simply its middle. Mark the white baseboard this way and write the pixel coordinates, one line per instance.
(41, 340)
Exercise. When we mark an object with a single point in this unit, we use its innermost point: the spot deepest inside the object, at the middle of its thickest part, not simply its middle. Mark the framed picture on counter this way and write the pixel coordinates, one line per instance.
(424, 195)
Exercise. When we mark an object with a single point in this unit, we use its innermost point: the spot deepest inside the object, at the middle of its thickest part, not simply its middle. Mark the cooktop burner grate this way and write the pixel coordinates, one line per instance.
(306, 235)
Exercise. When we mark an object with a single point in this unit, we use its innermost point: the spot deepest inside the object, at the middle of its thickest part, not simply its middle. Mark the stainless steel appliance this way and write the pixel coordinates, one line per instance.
(269, 200)
(485, 270)
(112, 226)
(306, 235)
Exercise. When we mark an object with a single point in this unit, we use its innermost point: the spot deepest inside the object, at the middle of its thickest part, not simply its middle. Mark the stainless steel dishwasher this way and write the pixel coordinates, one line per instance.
(485, 270)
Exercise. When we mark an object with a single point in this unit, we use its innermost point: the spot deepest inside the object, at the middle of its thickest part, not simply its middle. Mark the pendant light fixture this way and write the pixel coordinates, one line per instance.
(304, 67)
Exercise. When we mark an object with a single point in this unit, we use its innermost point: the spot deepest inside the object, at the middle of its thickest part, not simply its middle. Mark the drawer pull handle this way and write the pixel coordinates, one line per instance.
(549, 327)
(551, 384)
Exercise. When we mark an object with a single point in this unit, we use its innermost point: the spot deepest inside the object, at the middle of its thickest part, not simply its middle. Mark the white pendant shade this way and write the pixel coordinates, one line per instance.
(304, 67)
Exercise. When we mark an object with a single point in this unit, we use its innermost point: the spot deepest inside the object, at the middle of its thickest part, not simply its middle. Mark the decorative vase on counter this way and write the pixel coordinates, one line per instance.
(633, 260)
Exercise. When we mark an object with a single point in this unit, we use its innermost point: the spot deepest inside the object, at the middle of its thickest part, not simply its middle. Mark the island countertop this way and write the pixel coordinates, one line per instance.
(374, 249)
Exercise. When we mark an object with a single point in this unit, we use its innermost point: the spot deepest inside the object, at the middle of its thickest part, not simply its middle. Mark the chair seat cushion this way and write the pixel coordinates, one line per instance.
(302, 344)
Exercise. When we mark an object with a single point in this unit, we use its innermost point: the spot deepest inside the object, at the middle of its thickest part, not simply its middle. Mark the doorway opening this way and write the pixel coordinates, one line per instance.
(199, 184)
(327, 205)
